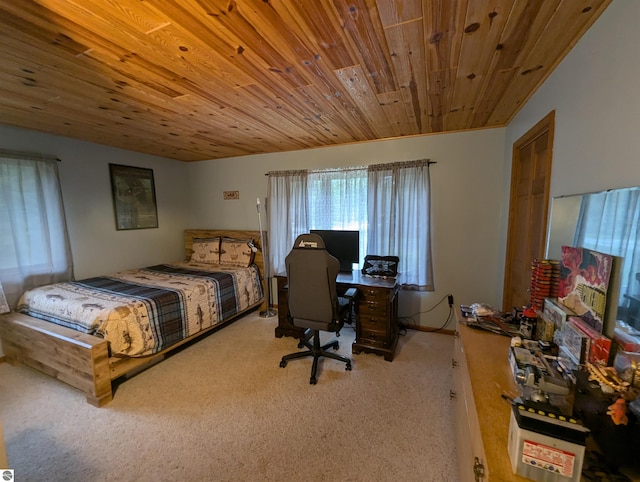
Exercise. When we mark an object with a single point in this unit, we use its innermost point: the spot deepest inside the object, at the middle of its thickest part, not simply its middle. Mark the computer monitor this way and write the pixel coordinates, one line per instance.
(343, 245)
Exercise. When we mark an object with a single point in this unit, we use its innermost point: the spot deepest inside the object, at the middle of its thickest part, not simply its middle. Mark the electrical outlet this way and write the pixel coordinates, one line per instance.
(450, 297)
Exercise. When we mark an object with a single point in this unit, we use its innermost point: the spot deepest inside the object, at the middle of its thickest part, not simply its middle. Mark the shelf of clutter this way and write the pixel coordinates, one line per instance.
(552, 397)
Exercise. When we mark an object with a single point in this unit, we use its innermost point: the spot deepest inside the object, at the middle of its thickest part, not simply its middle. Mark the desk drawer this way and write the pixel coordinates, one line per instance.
(370, 308)
(376, 323)
(372, 338)
(380, 296)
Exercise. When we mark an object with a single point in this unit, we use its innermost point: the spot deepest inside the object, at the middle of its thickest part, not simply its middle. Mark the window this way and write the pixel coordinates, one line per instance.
(388, 203)
(34, 246)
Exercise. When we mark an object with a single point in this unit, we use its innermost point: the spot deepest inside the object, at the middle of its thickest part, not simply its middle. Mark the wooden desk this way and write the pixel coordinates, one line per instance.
(376, 313)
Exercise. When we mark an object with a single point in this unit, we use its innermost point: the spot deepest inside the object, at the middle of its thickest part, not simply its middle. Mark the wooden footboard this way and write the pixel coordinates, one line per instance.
(75, 358)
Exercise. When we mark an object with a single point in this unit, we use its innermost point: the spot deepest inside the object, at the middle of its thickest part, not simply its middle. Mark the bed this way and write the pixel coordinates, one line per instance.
(89, 333)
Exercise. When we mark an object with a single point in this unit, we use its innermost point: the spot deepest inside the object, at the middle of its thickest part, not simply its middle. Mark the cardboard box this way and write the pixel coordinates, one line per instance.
(574, 340)
(545, 327)
(599, 345)
(556, 312)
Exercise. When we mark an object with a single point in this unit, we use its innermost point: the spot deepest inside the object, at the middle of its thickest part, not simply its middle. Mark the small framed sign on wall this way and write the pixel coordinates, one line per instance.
(134, 197)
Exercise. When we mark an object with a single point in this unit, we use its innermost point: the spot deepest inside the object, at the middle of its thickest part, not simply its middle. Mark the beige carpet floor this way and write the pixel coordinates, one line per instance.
(223, 410)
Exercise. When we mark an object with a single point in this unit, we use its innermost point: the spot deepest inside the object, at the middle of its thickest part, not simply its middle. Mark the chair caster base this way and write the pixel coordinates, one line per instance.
(316, 351)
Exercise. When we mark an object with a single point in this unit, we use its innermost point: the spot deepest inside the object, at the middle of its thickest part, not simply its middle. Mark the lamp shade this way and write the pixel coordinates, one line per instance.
(4, 306)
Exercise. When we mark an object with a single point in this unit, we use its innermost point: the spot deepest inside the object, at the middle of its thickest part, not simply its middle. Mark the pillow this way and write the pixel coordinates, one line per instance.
(206, 250)
(236, 252)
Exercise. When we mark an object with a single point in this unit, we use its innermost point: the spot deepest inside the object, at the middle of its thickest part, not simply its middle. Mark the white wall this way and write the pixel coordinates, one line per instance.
(466, 198)
(97, 247)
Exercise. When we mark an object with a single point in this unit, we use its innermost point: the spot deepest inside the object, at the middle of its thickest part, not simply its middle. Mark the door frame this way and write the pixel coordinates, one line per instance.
(545, 125)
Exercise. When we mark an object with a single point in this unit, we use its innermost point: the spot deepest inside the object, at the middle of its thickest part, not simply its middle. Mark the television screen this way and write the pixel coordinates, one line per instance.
(343, 245)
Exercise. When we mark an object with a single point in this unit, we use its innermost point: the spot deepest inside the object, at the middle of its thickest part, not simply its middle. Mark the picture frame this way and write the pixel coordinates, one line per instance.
(134, 197)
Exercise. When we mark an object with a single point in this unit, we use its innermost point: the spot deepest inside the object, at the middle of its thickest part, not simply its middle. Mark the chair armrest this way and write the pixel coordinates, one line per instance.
(350, 294)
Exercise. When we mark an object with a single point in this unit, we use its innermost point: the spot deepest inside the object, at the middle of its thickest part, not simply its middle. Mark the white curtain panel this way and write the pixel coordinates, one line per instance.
(287, 214)
(399, 217)
(34, 245)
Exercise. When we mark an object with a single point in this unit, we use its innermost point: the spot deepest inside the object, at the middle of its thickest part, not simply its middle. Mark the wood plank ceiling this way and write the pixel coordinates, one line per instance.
(208, 79)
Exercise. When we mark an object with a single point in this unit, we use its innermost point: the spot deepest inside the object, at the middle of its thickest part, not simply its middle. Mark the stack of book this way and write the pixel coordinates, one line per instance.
(545, 279)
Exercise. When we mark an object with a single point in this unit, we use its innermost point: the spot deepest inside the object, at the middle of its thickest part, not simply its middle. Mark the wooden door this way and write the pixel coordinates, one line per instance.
(528, 210)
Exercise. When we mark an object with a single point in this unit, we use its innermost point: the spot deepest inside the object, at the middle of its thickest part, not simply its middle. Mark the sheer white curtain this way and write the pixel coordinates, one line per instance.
(399, 219)
(288, 214)
(34, 245)
(609, 222)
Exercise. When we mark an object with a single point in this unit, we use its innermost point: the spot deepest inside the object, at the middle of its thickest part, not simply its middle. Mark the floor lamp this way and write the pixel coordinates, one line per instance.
(268, 312)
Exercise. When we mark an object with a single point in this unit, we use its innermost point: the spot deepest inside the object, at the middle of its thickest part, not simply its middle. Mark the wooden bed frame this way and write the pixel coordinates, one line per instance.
(82, 360)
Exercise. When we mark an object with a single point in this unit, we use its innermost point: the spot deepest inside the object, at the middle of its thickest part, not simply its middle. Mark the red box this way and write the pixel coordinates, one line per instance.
(600, 346)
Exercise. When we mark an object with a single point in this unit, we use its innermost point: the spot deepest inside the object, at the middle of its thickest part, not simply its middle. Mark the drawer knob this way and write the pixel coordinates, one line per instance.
(452, 395)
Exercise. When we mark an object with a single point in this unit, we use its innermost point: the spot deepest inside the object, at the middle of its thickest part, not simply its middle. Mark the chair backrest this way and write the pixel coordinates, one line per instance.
(311, 276)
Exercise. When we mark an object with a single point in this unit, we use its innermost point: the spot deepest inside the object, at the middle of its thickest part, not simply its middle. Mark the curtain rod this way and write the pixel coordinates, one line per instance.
(28, 155)
(352, 168)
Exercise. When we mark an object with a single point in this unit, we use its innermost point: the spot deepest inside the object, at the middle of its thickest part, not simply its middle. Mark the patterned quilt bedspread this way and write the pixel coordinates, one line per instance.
(144, 311)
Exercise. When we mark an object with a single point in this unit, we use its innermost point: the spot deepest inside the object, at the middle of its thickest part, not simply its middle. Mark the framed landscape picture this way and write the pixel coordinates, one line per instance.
(134, 197)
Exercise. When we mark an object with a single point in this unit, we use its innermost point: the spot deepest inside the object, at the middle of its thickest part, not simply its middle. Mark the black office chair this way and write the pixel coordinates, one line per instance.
(313, 301)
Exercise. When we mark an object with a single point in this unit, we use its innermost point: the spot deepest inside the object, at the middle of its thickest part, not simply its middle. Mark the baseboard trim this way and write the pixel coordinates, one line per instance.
(429, 329)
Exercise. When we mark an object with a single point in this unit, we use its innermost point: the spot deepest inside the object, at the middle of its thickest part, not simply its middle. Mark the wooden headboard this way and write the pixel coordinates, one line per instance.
(190, 234)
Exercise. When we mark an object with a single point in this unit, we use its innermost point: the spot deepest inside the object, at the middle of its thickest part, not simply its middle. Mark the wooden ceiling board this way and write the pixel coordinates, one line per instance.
(72, 111)
(406, 44)
(483, 25)
(355, 82)
(550, 47)
(514, 47)
(395, 110)
(507, 55)
(444, 22)
(208, 79)
(363, 25)
(318, 26)
(334, 112)
(396, 12)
